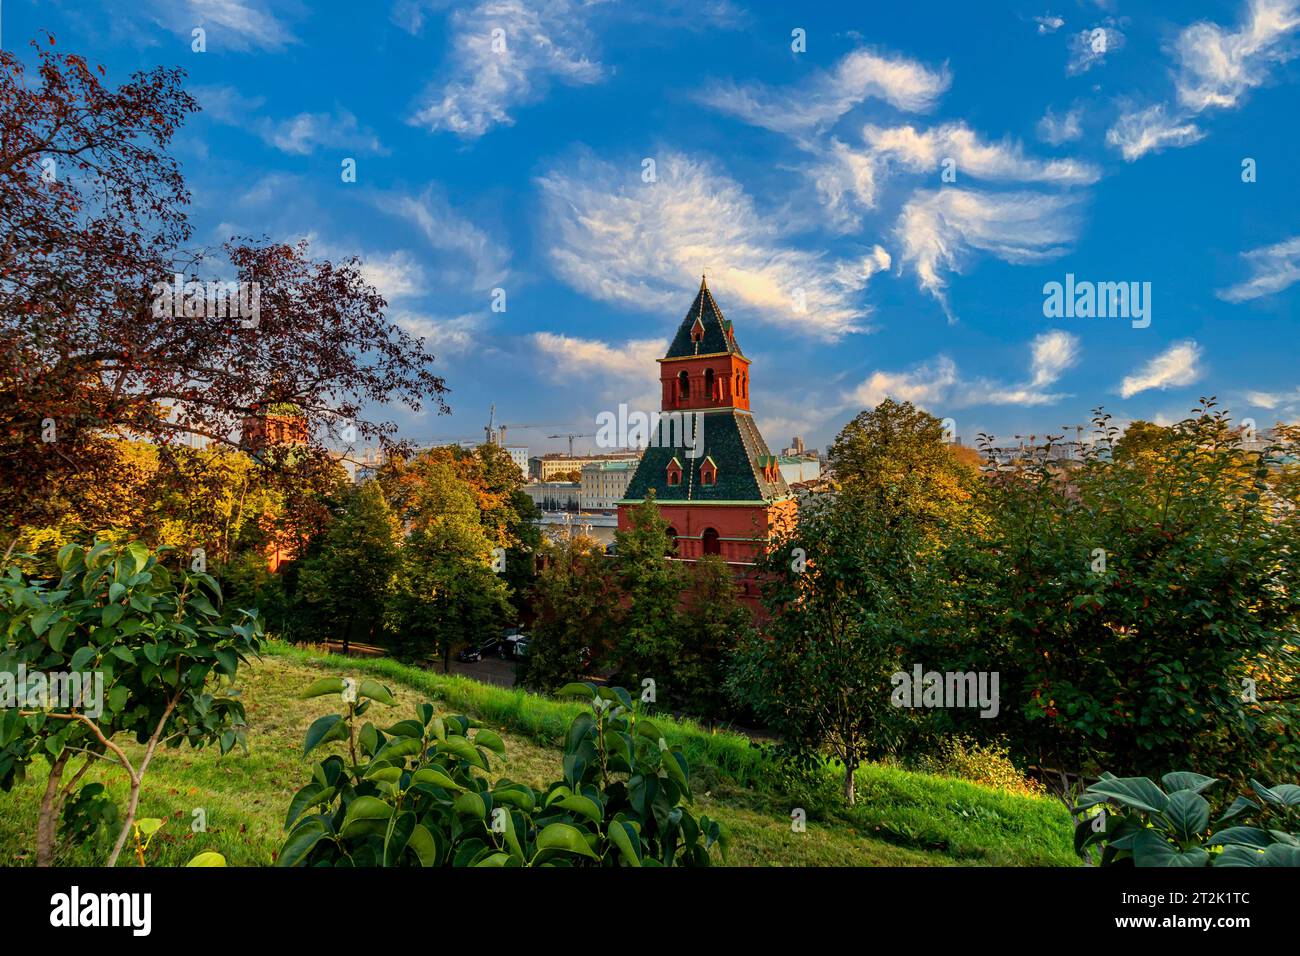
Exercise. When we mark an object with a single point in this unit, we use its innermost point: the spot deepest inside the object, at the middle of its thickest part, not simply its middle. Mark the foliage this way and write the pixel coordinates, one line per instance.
(987, 764)
(1128, 604)
(715, 624)
(898, 459)
(838, 589)
(418, 793)
(648, 644)
(1140, 824)
(575, 603)
(349, 582)
(161, 643)
(92, 211)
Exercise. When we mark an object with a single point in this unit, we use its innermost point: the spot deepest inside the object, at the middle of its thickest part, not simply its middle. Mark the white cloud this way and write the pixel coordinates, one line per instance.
(938, 229)
(491, 73)
(1049, 23)
(1217, 67)
(924, 150)
(230, 24)
(845, 180)
(225, 104)
(818, 102)
(1138, 132)
(1056, 130)
(939, 385)
(1177, 365)
(447, 336)
(1089, 48)
(449, 232)
(626, 369)
(301, 134)
(1273, 268)
(614, 237)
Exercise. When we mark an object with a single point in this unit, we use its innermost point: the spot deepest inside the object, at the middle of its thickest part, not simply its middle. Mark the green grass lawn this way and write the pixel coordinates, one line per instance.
(901, 818)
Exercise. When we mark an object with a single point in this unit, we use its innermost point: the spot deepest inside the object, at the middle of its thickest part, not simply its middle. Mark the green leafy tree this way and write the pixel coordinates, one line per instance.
(419, 792)
(649, 642)
(575, 600)
(351, 579)
(1142, 605)
(715, 624)
(899, 460)
(161, 644)
(839, 588)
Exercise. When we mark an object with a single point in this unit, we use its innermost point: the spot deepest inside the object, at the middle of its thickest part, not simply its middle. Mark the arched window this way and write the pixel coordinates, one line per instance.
(711, 545)
(709, 384)
(672, 540)
(683, 385)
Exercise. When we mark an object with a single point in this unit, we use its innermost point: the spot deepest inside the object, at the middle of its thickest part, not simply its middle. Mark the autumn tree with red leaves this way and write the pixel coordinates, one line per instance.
(92, 220)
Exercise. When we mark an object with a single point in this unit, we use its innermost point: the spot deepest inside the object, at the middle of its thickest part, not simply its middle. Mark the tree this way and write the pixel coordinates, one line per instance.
(92, 223)
(350, 580)
(160, 642)
(1144, 606)
(819, 673)
(649, 643)
(897, 458)
(715, 623)
(575, 599)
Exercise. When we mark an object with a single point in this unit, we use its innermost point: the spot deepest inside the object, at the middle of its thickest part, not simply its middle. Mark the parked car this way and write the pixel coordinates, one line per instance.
(475, 652)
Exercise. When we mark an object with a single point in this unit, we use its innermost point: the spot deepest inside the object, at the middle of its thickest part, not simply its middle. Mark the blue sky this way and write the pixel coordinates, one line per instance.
(1105, 140)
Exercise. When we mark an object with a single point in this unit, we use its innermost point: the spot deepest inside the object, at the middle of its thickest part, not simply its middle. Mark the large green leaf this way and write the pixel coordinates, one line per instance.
(323, 730)
(1188, 814)
(362, 812)
(562, 836)
(1241, 836)
(1152, 849)
(435, 776)
(624, 836)
(302, 841)
(1137, 792)
(423, 844)
(1186, 780)
(326, 685)
(376, 691)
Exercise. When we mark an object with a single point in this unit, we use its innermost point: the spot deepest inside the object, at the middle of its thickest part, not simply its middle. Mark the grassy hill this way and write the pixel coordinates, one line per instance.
(901, 819)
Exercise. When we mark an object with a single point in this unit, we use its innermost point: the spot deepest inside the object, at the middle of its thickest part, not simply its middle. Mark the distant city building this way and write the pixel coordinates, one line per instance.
(560, 525)
(555, 495)
(546, 467)
(604, 482)
(797, 449)
(797, 469)
(519, 455)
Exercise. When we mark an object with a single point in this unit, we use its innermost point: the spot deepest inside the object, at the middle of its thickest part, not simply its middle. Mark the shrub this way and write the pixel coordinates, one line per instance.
(418, 793)
(1147, 826)
(986, 764)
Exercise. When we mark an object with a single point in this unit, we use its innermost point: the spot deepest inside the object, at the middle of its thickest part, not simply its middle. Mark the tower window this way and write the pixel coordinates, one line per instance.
(710, 387)
(711, 544)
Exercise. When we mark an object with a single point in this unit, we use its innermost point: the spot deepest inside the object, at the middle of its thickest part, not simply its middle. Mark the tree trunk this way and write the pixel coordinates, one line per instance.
(850, 789)
(47, 824)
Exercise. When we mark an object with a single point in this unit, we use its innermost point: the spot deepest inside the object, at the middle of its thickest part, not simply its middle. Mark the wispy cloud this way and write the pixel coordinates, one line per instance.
(1215, 68)
(820, 101)
(230, 24)
(1089, 48)
(1049, 23)
(938, 384)
(477, 261)
(937, 230)
(455, 335)
(301, 134)
(625, 370)
(1273, 268)
(1138, 132)
(1177, 365)
(1004, 161)
(505, 54)
(1218, 66)
(1056, 130)
(619, 239)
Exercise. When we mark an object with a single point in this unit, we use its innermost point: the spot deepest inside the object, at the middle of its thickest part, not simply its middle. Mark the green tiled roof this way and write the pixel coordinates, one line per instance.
(732, 440)
(715, 338)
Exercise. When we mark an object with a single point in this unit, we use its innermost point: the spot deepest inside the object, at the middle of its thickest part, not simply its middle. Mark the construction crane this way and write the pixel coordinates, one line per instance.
(496, 434)
(571, 436)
